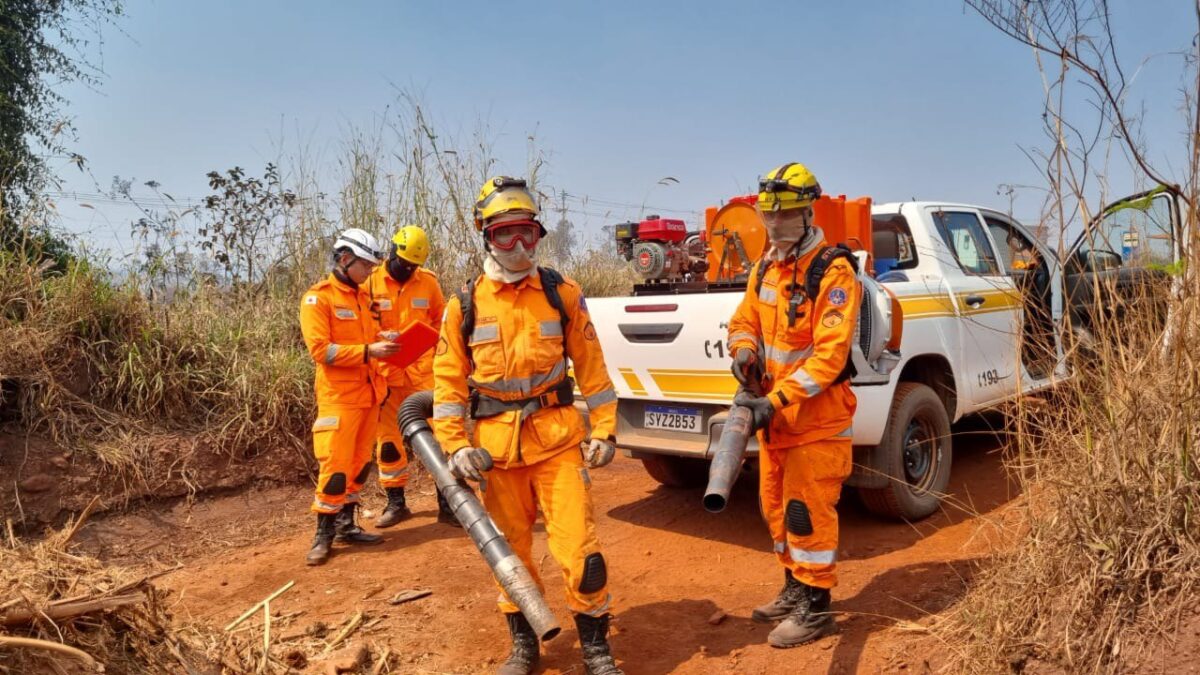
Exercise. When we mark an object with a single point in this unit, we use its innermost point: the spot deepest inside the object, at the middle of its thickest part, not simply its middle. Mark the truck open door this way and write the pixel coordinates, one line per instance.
(1126, 256)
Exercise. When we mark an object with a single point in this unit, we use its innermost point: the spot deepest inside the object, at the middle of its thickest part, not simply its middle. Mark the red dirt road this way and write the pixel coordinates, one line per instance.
(672, 567)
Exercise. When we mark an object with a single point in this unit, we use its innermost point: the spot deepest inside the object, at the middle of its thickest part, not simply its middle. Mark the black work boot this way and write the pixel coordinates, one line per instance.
(319, 553)
(593, 640)
(789, 597)
(396, 510)
(809, 621)
(445, 514)
(348, 532)
(525, 654)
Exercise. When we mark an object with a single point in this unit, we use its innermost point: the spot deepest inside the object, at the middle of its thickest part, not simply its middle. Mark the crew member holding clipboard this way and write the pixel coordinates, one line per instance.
(403, 294)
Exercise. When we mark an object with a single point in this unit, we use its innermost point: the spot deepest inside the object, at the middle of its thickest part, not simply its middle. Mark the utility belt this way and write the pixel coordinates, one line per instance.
(561, 394)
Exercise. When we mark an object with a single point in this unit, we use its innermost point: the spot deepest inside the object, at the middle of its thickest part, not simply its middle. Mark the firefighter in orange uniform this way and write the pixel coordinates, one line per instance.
(502, 360)
(790, 355)
(342, 338)
(402, 291)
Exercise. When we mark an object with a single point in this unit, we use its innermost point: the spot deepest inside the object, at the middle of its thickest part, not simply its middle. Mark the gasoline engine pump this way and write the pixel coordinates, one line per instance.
(662, 250)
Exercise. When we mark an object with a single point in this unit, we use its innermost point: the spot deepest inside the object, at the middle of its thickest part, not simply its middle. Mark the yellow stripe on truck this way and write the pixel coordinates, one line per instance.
(717, 385)
(632, 381)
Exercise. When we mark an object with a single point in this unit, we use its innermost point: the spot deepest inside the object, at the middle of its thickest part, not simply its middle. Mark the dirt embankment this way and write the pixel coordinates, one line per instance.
(42, 483)
(674, 569)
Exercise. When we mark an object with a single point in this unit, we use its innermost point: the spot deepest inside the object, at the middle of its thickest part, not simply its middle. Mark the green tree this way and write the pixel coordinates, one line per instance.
(43, 45)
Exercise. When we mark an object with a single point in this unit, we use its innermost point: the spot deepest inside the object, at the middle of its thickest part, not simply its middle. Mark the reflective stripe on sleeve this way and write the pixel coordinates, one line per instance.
(805, 380)
(599, 399)
(330, 353)
(741, 336)
(443, 410)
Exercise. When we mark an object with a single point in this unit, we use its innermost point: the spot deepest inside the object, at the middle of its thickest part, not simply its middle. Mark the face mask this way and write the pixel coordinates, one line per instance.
(400, 270)
(519, 259)
(784, 228)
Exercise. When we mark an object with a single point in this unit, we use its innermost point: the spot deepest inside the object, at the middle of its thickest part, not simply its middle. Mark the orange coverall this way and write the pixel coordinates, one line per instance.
(336, 321)
(516, 352)
(806, 455)
(396, 304)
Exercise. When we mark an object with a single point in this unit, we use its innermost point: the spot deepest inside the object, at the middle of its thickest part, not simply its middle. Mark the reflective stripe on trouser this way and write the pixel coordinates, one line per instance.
(806, 533)
(342, 442)
(393, 464)
(561, 488)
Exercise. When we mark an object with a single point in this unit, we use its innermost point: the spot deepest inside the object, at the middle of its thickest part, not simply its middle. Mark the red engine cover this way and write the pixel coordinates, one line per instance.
(662, 229)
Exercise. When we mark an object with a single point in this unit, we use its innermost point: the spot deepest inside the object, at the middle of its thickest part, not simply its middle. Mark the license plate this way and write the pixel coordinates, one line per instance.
(670, 418)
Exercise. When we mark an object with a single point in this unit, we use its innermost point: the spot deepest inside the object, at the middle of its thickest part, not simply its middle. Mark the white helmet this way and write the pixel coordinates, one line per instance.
(362, 244)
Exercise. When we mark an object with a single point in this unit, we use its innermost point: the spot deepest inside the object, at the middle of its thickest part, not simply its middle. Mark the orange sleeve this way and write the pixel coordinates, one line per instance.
(318, 334)
(591, 373)
(835, 311)
(450, 370)
(744, 329)
(421, 372)
(437, 303)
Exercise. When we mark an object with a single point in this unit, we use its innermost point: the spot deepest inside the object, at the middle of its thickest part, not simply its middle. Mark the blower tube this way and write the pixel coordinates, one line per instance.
(727, 460)
(508, 569)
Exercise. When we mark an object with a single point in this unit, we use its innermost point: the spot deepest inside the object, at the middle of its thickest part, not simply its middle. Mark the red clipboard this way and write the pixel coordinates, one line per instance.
(415, 339)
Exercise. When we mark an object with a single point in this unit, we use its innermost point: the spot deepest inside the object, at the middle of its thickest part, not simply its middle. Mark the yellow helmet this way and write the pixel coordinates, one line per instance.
(412, 244)
(500, 195)
(790, 186)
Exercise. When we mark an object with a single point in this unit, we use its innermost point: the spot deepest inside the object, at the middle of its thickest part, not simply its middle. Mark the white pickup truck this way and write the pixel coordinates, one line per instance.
(971, 282)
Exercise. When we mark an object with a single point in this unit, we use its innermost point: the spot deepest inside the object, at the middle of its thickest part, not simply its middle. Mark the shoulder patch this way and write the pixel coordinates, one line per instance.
(310, 299)
(837, 296)
(832, 319)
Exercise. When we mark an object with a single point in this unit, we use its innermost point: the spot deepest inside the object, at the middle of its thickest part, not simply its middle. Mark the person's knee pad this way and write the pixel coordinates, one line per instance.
(388, 454)
(799, 522)
(595, 574)
(336, 485)
(362, 475)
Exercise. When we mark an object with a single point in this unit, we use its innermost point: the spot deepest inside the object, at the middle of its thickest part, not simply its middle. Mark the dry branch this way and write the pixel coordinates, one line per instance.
(19, 617)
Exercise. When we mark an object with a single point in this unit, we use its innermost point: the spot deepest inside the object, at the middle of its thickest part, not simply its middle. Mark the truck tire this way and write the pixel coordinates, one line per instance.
(677, 472)
(914, 453)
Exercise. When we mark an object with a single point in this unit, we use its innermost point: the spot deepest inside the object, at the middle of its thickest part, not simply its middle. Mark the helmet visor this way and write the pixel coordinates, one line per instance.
(505, 236)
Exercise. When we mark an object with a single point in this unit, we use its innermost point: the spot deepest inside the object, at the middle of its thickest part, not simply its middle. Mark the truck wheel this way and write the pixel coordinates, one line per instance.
(914, 454)
(677, 472)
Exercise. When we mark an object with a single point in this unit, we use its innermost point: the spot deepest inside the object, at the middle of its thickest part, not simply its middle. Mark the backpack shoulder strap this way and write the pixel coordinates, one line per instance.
(758, 272)
(551, 280)
(466, 301)
(820, 265)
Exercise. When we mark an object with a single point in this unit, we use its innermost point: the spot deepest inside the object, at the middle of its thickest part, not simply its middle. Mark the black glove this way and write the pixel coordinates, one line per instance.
(745, 363)
(760, 408)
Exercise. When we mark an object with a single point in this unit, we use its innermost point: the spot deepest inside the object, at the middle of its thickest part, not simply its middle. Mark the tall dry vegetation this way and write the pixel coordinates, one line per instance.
(1107, 560)
(194, 344)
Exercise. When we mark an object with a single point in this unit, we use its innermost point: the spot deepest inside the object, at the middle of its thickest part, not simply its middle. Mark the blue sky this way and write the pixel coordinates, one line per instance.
(895, 100)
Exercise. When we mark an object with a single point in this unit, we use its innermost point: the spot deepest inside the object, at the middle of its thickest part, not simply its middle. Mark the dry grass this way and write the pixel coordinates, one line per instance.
(1109, 553)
